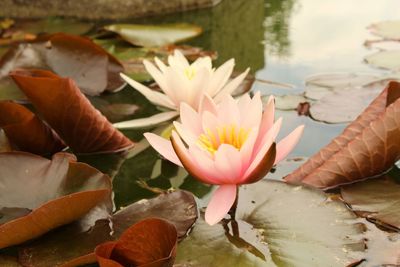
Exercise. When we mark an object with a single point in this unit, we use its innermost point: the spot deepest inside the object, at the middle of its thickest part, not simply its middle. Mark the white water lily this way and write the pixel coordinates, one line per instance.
(182, 82)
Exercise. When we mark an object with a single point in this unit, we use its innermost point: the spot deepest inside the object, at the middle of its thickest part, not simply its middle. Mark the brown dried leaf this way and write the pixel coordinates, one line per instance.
(26, 131)
(70, 113)
(367, 147)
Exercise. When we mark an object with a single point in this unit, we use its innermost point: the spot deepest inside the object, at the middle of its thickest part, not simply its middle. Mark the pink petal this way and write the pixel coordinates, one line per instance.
(272, 133)
(191, 119)
(228, 163)
(244, 103)
(164, 147)
(251, 117)
(210, 123)
(207, 104)
(220, 204)
(286, 145)
(160, 64)
(178, 60)
(205, 165)
(247, 148)
(198, 86)
(228, 111)
(268, 116)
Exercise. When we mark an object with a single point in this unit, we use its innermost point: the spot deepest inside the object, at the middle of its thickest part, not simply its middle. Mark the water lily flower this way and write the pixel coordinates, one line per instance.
(181, 82)
(226, 144)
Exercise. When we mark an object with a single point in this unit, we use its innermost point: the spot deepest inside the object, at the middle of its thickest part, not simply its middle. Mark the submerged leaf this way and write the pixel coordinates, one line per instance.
(26, 131)
(70, 244)
(78, 58)
(69, 113)
(58, 192)
(149, 243)
(278, 225)
(367, 147)
(155, 35)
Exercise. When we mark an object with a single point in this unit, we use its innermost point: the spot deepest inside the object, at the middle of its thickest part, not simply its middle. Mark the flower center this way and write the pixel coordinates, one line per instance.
(190, 72)
(227, 134)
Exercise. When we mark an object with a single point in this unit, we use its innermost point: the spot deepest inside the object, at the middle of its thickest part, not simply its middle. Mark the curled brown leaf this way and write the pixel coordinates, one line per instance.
(367, 147)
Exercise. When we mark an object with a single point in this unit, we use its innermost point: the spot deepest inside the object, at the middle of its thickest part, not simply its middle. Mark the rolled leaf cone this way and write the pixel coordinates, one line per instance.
(26, 131)
(367, 147)
(62, 105)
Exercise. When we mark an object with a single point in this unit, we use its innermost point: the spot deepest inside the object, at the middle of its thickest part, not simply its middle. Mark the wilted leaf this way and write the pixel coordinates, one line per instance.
(10, 91)
(385, 59)
(155, 35)
(94, 70)
(367, 147)
(26, 131)
(57, 192)
(69, 113)
(65, 245)
(377, 199)
(149, 243)
(386, 29)
(278, 225)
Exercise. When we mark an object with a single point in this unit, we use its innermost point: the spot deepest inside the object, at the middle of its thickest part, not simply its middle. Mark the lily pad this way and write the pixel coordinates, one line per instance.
(386, 29)
(278, 225)
(70, 243)
(319, 85)
(55, 193)
(377, 199)
(289, 102)
(69, 113)
(155, 35)
(94, 70)
(368, 147)
(389, 60)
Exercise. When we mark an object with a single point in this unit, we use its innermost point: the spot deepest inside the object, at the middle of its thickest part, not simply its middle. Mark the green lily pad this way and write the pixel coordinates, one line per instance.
(377, 199)
(278, 225)
(386, 29)
(385, 59)
(155, 35)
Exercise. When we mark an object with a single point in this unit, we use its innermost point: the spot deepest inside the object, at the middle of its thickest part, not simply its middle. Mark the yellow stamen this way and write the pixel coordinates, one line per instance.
(190, 72)
(226, 134)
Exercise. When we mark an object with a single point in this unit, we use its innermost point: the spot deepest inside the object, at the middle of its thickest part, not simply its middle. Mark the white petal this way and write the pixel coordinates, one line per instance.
(153, 96)
(221, 77)
(147, 122)
(231, 86)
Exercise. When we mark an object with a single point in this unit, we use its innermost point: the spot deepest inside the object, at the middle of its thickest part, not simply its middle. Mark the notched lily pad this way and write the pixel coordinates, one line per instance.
(155, 35)
(292, 225)
(57, 191)
(70, 244)
(386, 29)
(376, 199)
(92, 68)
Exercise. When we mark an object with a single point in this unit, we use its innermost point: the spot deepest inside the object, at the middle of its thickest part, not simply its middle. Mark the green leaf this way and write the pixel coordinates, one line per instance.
(289, 225)
(155, 35)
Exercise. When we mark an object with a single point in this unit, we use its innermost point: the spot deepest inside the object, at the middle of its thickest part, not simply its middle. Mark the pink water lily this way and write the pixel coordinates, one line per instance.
(181, 82)
(226, 144)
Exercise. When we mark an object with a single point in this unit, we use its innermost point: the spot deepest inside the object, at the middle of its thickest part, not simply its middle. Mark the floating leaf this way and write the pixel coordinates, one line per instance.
(376, 199)
(93, 69)
(150, 242)
(386, 29)
(279, 225)
(319, 85)
(151, 121)
(385, 59)
(288, 102)
(26, 131)
(67, 244)
(367, 147)
(57, 191)
(155, 35)
(69, 113)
